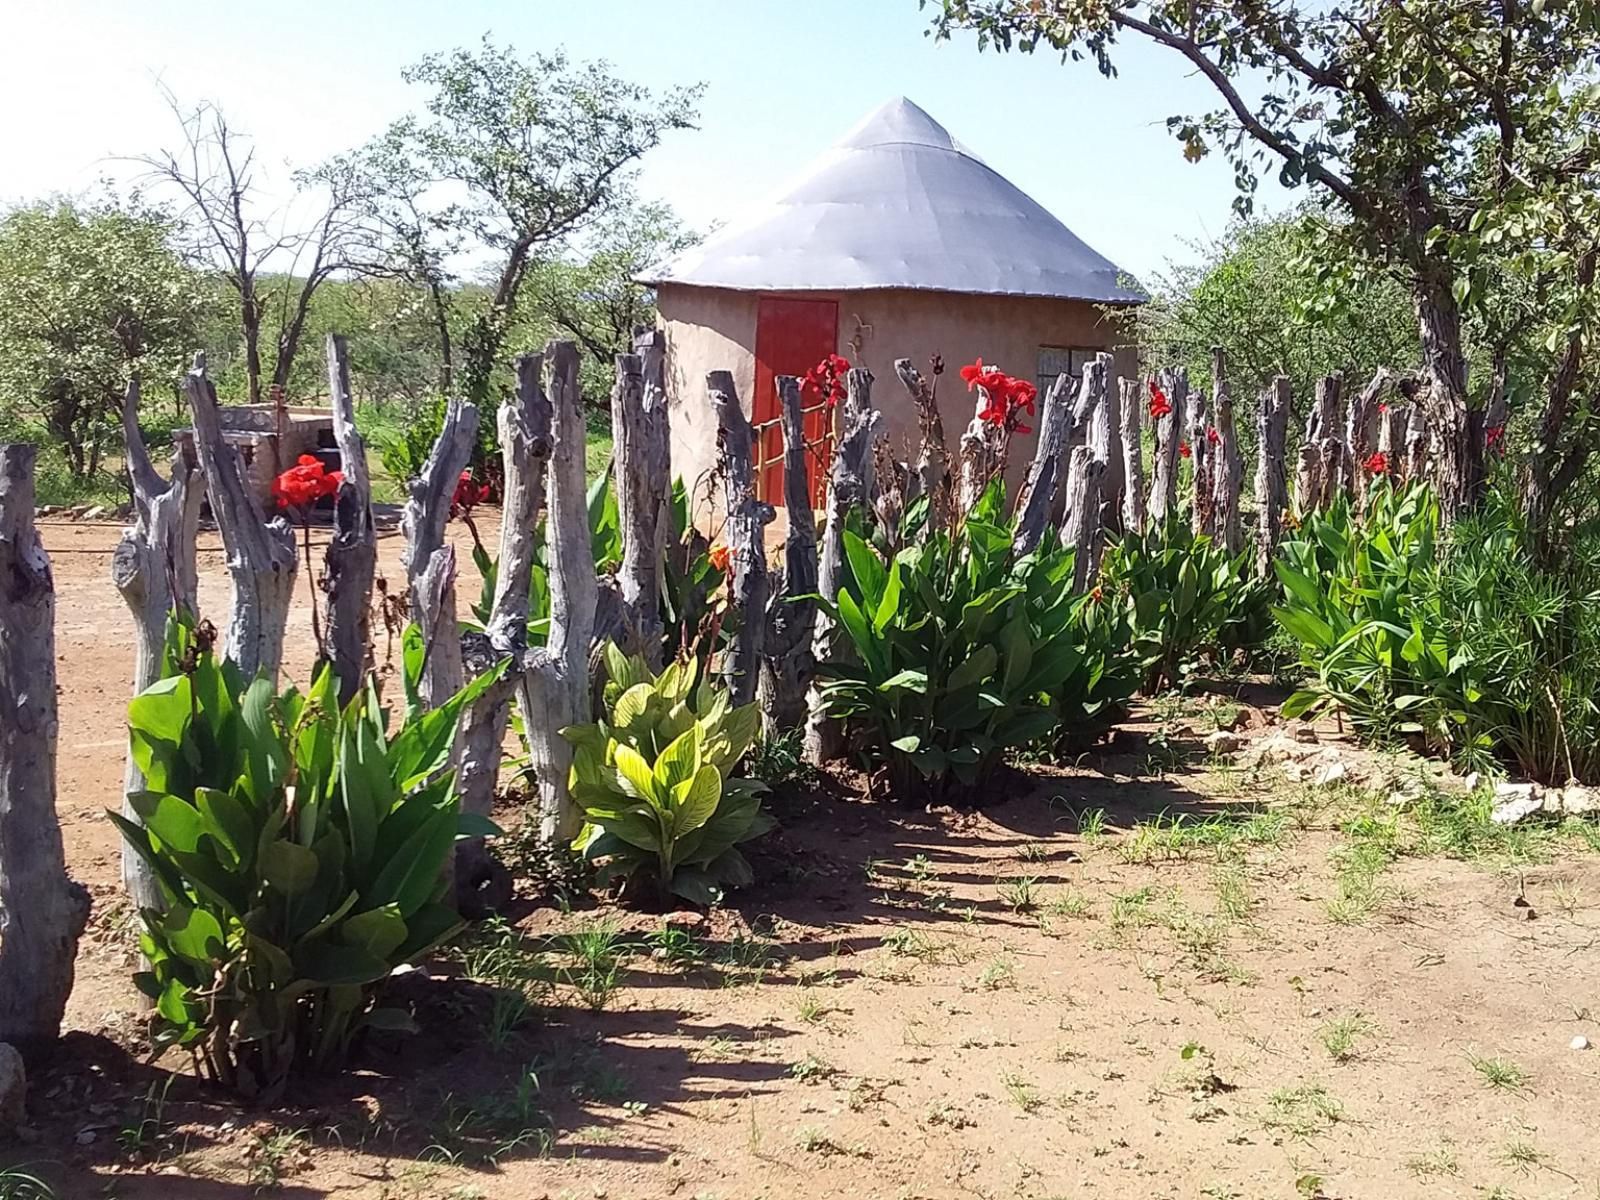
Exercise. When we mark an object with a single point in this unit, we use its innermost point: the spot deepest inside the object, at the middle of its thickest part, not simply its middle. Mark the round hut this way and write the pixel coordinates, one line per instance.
(898, 242)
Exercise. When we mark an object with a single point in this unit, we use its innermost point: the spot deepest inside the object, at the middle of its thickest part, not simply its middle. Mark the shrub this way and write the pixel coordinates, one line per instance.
(1188, 597)
(1531, 631)
(652, 779)
(299, 852)
(962, 652)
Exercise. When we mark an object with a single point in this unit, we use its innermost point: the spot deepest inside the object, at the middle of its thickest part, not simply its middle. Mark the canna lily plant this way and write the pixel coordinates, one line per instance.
(299, 848)
(653, 779)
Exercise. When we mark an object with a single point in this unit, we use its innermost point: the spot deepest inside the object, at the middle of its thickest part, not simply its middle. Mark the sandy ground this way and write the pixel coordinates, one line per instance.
(1015, 1002)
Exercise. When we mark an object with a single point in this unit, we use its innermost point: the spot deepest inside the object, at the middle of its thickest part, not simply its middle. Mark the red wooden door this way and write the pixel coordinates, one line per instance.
(792, 336)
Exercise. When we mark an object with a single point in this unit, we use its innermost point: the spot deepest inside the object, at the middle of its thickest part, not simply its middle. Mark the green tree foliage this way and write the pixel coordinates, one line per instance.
(90, 293)
(531, 152)
(1453, 141)
(1256, 292)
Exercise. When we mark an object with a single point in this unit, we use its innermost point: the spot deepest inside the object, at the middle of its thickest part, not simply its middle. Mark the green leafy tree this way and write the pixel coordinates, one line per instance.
(589, 293)
(90, 293)
(530, 153)
(1454, 139)
(1256, 292)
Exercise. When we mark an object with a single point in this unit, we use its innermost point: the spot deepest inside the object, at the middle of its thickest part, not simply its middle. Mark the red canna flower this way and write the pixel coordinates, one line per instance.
(1378, 462)
(1383, 406)
(1184, 451)
(1494, 436)
(824, 383)
(1096, 595)
(1160, 406)
(718, 555)
(1213, 436)
(303, 484)
(1005, 398)
(468, 494)
(972, 373)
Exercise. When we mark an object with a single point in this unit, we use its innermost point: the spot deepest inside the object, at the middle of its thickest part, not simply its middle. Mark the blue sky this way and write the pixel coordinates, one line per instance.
(307, 79)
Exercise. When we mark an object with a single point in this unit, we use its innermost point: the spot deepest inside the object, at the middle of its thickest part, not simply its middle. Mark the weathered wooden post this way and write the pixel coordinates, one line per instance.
(932, 466)
(1133, 514)
(791, 621)
(430, 561)
(555, 691)
(1272, 482)
(979, 452)
(525, 448)
(42, 912)
(261, 554)
(1361, 434)
(849, 487)
(1111, 475)
(1037, 499)
(746, 519)
(1416, 443)
(1083, 514)
(1202, 507)
(642, 476)
(1091, 397)
(1228, 465)
(1174, 386)
(353, 549)
(154, 570)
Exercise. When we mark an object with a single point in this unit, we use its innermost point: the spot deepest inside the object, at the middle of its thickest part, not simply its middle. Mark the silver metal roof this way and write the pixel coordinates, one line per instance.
(899, 203)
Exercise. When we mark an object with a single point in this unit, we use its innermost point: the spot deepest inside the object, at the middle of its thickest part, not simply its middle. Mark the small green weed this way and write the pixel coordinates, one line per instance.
(1341, 1036)
(1302, 1112)
(1499, 1073)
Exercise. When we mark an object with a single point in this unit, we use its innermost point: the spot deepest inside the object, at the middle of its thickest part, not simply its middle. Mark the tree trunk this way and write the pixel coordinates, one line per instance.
(1272, 481)
(1308, 480)
(1169, 433)
(932, 466)
(849, 487)
(1439, 320)
(525, 447)
(1037, 498)
(746, 520)
(261, 553)
(1091, 397)
(250, 322)
(154, 570)
(352, 557)
(1541, 465)
(1133, 513)
(555, 691)
(791, 621)
(1083, 514)
(42, 912)
(1228, 467)
(641, 474)
(430, 561)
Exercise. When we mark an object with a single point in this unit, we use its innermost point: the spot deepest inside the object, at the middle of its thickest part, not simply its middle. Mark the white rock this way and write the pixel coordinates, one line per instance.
(13, 1087)
(1509, 812)
(1579, 801)
(1224, 742)
(1507, 791)
(1331, 773)
(94, 514)
(1296, 772)
(1579, 1043)
(1471, 782)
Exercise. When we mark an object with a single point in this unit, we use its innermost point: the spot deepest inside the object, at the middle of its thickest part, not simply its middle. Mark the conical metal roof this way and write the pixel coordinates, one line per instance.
(899, 203)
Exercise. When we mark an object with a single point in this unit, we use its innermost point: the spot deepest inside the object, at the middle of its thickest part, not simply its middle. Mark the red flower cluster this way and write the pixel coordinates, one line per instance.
(718, 555)
(303, 484)
(1493, 436)
(1378, 462)
(1213, 436)
(1184, 451)
(824, 383)
(468, 494)
(1160, 406)
(1006, 399)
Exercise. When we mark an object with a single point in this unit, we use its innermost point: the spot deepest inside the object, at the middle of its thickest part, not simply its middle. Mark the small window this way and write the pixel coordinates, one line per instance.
(1058, 360)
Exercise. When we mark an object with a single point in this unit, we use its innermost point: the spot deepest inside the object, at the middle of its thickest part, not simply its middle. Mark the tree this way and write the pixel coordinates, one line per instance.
(90, 293)
(1456, 137)
(521, 154)
(589, 294)
(227, 230)
(1255, 292)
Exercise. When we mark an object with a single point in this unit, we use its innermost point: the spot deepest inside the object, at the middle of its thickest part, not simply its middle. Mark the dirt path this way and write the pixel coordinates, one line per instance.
(1286, 993)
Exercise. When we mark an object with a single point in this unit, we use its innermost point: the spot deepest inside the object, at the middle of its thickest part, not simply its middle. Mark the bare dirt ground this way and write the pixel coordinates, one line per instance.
(1147, 975)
